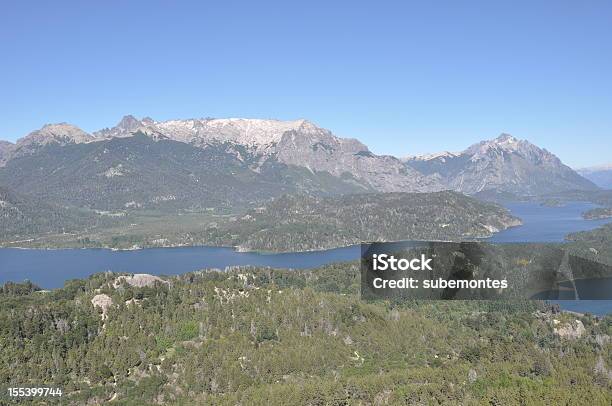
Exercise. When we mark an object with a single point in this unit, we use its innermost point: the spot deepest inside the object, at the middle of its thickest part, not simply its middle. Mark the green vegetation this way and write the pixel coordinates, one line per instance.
(140, 172)
(594, 244)
(262, 336)
(290, 223)
(304, 222)
(600, 197)
(26, 218)
(598, 213)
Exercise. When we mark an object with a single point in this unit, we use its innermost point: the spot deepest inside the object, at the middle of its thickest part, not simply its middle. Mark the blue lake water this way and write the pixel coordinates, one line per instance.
(552, 224)
(50, 268)
(547, 224)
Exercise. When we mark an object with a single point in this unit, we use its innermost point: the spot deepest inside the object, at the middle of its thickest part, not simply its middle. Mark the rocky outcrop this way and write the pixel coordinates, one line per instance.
(569, 330)
(139, 280)
(104, 302)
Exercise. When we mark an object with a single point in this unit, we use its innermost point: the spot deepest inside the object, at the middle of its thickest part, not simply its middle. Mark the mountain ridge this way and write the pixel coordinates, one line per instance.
(255, 142)
(601, 175)
(504, 164)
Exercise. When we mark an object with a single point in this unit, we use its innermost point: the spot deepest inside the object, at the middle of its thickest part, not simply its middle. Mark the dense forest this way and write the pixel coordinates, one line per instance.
(23, 218)
(289, 223)
(305, 222)
(257, 336)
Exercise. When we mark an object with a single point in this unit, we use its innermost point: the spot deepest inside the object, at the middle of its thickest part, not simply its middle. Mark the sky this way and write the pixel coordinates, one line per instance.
(403, 77)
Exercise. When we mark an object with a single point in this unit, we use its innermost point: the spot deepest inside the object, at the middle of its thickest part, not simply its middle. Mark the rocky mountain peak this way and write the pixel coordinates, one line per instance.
(505, 138)
(129, 123)
(126, 127)
(504, 164)
(507, 144)
(60, 133)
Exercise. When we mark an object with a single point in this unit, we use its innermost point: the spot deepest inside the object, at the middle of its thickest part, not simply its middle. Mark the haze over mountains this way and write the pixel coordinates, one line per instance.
(199, 163)
(600, 175)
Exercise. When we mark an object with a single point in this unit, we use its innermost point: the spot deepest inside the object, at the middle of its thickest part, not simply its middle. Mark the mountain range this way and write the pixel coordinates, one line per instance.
(600, 175)
(203, 163)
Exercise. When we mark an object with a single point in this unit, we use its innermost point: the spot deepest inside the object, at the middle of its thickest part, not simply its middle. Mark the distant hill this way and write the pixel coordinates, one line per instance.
(504, 165)
(599, 175)
(293, 223)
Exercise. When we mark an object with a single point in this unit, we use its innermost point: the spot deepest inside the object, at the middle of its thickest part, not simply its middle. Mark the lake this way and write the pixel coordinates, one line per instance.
(547, 224)
(50, 268)
(552, 224)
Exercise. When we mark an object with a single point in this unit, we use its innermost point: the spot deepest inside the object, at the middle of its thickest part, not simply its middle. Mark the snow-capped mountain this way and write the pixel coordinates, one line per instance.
(298, 142)
(504, 164)
(442, 156)
(256, 133)
(197, 163)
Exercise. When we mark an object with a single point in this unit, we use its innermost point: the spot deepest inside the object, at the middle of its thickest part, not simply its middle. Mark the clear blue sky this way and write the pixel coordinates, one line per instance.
(403, 77)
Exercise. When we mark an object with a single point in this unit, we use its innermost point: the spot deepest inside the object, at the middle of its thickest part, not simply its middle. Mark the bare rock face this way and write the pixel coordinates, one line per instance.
(570, 331)
(104, 302)
(504, 164)
(297, 142)
(139, 280)
(318, 149)
(124, 128)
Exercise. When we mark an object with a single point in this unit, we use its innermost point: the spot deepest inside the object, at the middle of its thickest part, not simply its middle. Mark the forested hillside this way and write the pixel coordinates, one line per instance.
(261, 336)
(306, 222)
(24, 217)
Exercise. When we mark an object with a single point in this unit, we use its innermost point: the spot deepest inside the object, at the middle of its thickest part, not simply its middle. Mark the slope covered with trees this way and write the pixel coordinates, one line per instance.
(261, 336)
(24, 217)
(304, 222)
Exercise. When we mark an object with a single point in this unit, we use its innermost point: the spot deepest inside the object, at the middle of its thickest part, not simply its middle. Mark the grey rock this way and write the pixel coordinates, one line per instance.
(61, 134)
(504, 164)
